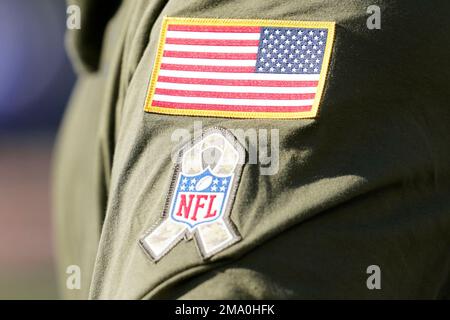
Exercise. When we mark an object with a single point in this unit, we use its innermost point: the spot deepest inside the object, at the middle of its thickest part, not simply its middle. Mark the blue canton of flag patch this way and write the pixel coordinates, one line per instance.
(200, 198)
(291, 50)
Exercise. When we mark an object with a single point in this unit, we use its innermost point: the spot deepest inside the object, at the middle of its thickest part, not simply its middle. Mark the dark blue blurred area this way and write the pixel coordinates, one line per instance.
(36, 77)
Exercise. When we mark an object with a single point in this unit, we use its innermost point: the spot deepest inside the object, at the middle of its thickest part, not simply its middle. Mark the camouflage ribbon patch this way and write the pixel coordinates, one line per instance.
(200, 198)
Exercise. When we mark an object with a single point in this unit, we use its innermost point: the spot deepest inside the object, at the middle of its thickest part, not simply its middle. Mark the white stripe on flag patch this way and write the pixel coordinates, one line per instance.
(237, 89)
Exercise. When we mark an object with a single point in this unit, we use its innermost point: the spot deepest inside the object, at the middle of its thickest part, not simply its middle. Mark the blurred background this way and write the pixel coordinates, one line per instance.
(35, 83)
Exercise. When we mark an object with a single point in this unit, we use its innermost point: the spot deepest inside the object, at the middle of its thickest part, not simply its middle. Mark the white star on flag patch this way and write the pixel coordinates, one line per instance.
(240, 68)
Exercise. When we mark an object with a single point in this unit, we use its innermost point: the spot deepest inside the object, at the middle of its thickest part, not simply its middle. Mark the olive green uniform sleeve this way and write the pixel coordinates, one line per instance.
(82, 153)
(365, 183)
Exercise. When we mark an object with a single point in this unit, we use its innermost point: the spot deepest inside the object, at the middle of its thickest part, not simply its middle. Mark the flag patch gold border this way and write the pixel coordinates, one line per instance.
(330, 26)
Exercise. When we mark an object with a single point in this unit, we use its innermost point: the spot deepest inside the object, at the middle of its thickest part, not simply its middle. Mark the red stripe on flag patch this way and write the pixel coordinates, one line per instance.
(251, 83)
(206, 28)
(224, 107)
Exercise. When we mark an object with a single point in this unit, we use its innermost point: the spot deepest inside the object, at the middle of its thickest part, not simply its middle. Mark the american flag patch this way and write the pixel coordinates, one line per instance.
(240, 68)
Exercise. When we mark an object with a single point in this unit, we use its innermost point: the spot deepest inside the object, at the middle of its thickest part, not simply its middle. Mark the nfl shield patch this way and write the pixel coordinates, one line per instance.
(240, 68)
(200, 197)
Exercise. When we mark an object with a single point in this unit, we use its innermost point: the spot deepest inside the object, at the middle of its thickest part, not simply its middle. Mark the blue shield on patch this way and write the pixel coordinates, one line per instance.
(200, 198)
